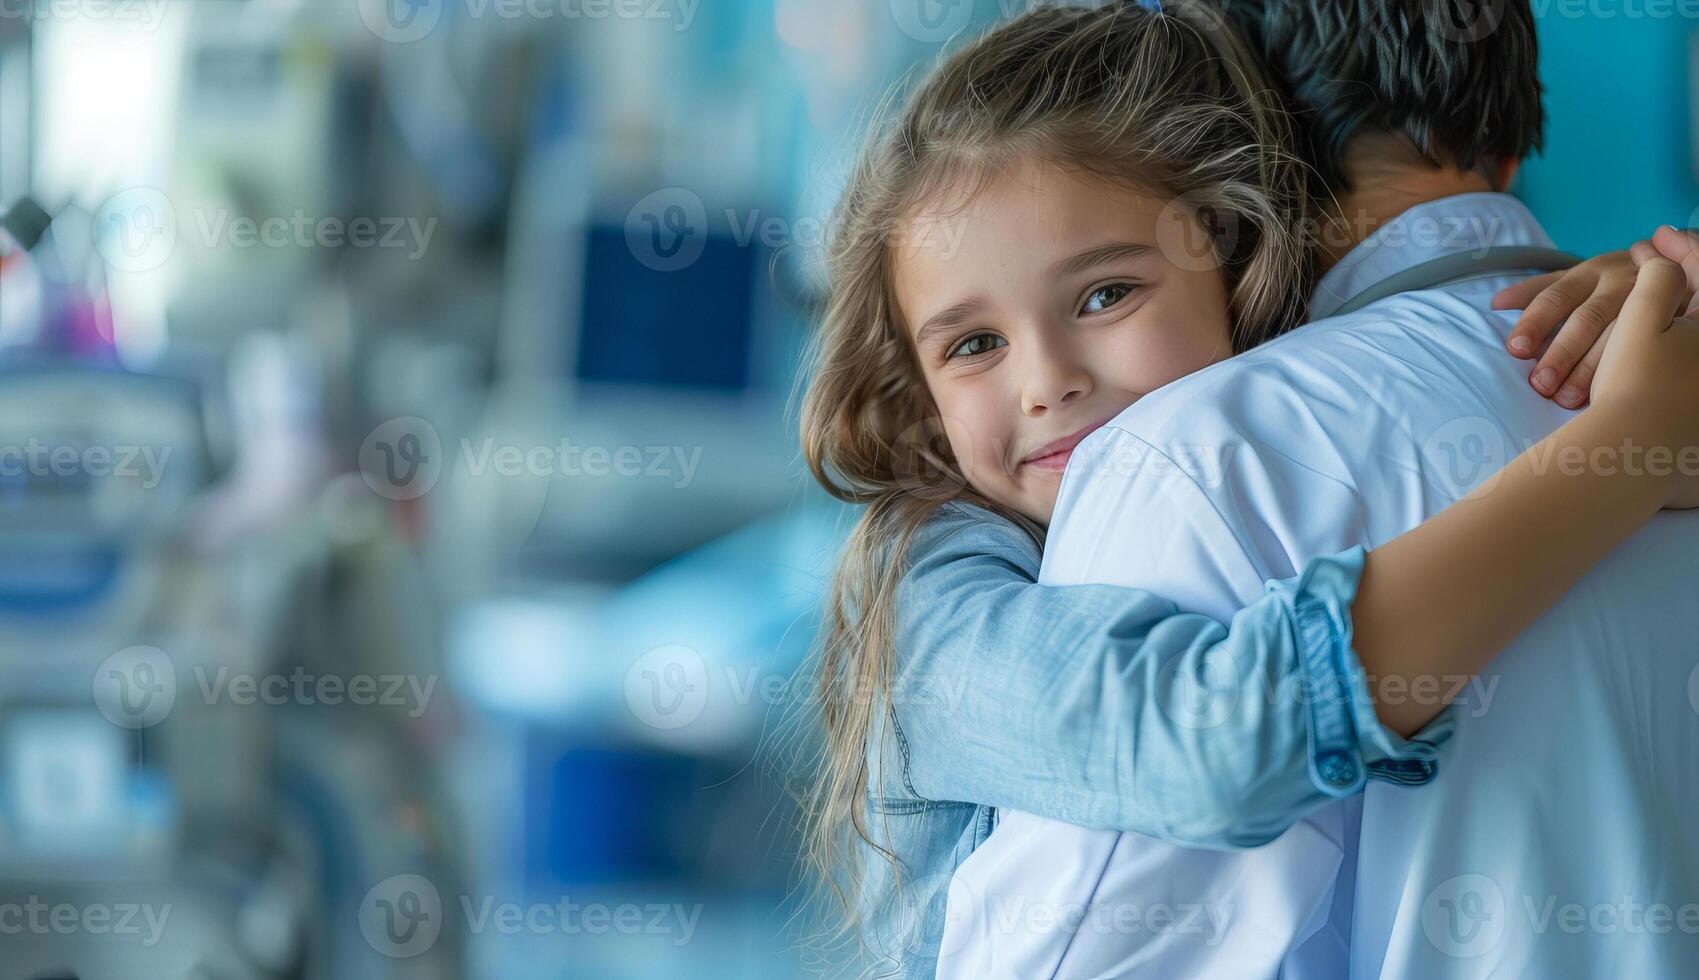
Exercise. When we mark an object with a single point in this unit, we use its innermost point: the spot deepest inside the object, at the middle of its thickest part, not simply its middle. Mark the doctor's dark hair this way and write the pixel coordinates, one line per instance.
(1459, 78)
(1171, 103)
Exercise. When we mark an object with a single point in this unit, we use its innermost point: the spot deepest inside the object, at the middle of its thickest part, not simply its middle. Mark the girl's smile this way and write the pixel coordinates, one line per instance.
(1055, 455)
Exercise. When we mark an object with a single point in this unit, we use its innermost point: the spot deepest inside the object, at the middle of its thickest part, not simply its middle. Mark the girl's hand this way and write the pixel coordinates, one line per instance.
(1680, 247)
(1588, 297)
(1646, 374)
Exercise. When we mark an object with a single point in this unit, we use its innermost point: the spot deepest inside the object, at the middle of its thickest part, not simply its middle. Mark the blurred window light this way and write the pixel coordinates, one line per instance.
(527, 656)
(106, 95)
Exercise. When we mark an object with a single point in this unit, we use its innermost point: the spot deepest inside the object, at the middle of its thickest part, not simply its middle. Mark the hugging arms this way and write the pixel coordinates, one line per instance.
(953, 388)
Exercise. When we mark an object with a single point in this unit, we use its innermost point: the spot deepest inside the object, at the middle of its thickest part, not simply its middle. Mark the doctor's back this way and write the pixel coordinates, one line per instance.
(1556, 840)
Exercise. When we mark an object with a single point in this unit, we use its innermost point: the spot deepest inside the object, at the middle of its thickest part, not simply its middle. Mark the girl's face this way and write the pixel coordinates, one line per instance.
(1044, 305)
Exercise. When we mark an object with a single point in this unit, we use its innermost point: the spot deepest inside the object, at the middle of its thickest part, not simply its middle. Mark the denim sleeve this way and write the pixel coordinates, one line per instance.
(1108, 708)
(1347, 741)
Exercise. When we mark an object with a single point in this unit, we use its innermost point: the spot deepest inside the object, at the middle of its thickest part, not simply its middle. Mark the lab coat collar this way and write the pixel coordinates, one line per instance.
(1461, 223)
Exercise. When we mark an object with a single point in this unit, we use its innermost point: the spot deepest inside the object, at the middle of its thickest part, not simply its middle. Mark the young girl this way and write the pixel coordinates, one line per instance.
(1060, 163)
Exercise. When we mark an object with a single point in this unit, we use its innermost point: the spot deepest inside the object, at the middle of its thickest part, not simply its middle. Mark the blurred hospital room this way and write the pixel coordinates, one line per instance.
(406, 554)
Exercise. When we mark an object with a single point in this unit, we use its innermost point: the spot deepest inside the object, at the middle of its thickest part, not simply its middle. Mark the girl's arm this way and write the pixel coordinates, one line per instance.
(1082, 703)
(1446, 596)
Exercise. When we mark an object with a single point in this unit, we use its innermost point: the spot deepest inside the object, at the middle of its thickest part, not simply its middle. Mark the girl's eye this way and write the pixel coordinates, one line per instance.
(979, 343)
(1103, 297)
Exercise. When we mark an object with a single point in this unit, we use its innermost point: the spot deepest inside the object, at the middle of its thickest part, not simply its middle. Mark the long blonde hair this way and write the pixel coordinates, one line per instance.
(1171, 102)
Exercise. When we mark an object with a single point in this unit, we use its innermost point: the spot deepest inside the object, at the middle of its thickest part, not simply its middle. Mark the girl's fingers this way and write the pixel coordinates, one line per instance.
(1574, 342)
(1653, 302)
(1579, 385)
(1642, 250)
(1518, 297)
(1681, 247)
(1636, 339)
(1541, 315)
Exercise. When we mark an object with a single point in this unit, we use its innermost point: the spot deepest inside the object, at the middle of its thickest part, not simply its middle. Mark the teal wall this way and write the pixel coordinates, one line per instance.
(1617, 160)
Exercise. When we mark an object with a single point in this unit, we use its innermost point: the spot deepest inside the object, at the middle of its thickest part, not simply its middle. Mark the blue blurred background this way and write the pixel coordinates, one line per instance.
(405, 553)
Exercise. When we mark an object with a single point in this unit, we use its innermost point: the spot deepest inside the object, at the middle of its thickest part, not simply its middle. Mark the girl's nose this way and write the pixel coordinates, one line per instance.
(1053, 381)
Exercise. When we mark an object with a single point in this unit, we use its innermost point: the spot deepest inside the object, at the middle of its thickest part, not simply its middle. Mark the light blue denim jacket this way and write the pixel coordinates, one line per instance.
(1078, 703)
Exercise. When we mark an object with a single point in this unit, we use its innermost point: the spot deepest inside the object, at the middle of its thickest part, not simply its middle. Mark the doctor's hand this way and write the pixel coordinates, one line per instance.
(1645, 378)
(1584, 301)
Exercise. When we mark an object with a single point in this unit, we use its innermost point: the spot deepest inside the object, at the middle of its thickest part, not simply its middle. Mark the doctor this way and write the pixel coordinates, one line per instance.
(1557, 839)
